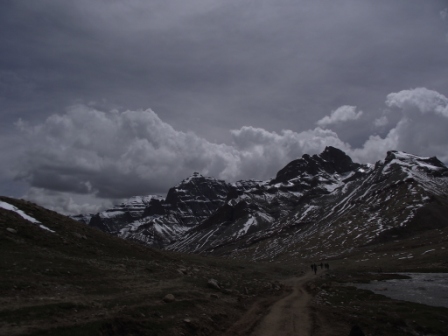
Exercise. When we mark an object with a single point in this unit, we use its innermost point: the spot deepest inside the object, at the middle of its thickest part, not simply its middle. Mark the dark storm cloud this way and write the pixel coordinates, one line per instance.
(213, 58)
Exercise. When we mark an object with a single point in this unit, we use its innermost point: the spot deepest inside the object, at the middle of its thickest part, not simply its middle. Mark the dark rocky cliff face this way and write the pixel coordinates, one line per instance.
(112, 220)
(196, 198)
(255, 207)
(157, 221)
(330, 161)
(326, 203)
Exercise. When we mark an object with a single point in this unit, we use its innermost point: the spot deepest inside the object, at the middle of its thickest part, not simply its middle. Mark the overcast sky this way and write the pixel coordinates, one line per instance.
(102, 100)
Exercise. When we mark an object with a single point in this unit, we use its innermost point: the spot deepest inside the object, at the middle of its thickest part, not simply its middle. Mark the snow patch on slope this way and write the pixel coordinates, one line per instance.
(11, 207)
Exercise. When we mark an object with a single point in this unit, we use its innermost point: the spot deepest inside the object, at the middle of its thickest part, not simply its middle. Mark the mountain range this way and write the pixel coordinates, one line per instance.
(365, 222)
(320, 206)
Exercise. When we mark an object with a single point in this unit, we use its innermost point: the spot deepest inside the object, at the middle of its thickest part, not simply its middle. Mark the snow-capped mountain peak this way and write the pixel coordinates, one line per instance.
(412, 162)
(328, 195)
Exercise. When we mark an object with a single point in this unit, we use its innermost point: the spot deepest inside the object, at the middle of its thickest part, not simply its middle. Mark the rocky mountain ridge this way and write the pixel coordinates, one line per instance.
(317, 205)
(398, 198)
(157, 221)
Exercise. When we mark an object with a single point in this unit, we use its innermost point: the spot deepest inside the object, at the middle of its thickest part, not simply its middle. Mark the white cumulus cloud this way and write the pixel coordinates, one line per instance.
(426, 101)
(263, 152)
(119, 154)
(342, 114)
(420, 130)
(116, 154)
(111, 155)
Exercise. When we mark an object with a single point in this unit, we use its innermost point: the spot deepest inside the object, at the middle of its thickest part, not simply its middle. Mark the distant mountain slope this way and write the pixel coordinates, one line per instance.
(157, 221)
(60, 277)
(339, 211)
(259, 211)
(320, 205)
(33, 227)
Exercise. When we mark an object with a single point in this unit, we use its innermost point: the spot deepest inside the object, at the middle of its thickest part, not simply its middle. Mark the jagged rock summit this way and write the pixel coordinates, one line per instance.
(256, 211)
(330, 161)
(157, 221)
(320, 205)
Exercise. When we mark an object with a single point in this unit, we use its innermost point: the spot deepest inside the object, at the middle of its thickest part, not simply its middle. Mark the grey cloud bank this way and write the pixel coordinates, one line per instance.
(112, 99)
(114, 155)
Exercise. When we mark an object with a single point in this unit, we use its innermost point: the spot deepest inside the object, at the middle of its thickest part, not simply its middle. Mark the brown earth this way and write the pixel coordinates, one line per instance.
(290, 315)
(80, 281)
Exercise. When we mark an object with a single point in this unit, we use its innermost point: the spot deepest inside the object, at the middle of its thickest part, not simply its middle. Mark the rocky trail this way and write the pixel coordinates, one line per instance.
(290, 315)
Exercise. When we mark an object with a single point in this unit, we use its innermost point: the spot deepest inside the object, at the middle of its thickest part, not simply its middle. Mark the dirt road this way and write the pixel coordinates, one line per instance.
(290, 315)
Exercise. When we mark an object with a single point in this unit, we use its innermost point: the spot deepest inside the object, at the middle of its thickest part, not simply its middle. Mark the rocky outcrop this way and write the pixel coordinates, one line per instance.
(158, 221)
(331, 161)
(113, 220)
(255, 208)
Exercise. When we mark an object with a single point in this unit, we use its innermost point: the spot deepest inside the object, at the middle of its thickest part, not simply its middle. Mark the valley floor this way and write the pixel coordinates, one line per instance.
(80, 281)
(327, 304)
(291, 315)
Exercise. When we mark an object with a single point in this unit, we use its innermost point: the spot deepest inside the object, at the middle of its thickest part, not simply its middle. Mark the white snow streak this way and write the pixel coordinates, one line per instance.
(11, 207)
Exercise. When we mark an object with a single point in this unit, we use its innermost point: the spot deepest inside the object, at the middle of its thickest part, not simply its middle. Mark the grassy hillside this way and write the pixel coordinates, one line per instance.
(79, 280)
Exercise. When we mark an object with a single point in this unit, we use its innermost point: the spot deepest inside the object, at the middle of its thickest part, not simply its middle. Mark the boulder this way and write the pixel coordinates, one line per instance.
(169, 298)
(212, 283)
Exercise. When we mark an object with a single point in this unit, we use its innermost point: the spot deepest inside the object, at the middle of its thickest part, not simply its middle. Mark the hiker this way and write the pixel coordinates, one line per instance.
(315, 269)
(321, 265)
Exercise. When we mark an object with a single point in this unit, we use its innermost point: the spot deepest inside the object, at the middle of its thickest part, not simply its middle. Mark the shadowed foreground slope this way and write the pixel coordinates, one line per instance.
(61, 277)
(78, 280)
